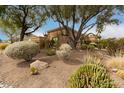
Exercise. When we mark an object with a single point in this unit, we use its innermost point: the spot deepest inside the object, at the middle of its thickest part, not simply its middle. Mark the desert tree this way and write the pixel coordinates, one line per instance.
(27, 18)
(82, 18)
(10, 29)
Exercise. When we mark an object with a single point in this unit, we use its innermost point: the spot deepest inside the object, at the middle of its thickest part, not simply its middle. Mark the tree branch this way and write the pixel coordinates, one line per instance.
(32, 31)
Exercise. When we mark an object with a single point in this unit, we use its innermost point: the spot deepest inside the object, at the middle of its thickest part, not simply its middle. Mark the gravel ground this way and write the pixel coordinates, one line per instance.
(3, 85)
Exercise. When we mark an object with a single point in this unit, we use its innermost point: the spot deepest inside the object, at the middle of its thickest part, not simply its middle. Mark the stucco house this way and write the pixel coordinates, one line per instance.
(61, 35)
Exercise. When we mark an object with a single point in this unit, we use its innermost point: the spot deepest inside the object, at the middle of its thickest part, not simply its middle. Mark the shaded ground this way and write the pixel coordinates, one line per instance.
(17, 73)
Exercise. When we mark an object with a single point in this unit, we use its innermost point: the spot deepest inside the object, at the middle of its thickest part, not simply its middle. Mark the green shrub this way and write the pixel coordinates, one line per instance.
(91, 75)
(50, 52)
(113, 47)
(121, 41)
(91, 47)
(34, 71)
(88, 46)
(102, 44)
(84, 46)
(3, 46)
(22, 50)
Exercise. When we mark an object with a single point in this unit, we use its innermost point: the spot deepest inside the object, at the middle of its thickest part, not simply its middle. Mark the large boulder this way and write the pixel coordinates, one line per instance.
(39, 65)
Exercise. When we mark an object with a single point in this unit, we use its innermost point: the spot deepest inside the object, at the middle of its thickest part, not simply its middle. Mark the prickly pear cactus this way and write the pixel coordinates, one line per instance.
(91, 75)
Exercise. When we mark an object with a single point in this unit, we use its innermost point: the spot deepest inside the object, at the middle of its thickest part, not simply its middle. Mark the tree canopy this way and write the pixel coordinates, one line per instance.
(85, 16)
(26, 18)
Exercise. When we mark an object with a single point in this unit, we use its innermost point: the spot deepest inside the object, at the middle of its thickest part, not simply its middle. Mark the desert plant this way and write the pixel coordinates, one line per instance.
(64, 51)
(63, 54)
(91, 47)
(120, 73)
(91, 59)
(22, 50)
(50, 52)
(112, 48)
(102, 44)
(65, 47)
(83, 46)
(3, 46)
(91, 76)
(115, 63)
(34, 71)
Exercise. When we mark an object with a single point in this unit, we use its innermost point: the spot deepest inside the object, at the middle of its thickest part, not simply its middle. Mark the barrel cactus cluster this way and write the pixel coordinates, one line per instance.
(91, 75)
(22, 50)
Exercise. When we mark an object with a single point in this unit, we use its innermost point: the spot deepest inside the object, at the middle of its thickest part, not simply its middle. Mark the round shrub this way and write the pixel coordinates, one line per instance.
(91, 76)
(50, 52)
(65, 47)
(64, 51)
(84, 46)
(22, 50)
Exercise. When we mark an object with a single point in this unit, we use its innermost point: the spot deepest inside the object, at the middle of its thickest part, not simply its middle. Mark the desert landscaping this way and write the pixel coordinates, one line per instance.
(66, 56)
(16, 73)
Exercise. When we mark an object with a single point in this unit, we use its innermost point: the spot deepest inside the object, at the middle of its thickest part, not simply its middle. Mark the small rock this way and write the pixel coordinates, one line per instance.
(114, 70)
(1, 86)
(10, 87)
(39, 65)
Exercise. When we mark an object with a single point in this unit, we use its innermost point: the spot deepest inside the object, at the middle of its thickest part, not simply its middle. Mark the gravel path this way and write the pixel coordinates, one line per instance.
(3, 85)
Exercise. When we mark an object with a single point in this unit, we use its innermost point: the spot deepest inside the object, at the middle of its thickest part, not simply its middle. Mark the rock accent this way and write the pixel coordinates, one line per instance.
(39, 65)
(114, 70)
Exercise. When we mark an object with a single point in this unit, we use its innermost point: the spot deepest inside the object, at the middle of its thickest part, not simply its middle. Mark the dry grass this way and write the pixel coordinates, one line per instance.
(115, 63)
(120, 73)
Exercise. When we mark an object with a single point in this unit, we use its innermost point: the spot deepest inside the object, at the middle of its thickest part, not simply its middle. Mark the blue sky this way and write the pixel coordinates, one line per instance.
(110, 30)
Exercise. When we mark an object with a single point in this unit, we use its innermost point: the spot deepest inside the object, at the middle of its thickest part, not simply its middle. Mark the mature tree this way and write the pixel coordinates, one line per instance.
(2, 10)
(26, 18)
(9, 29)
(82, 18)
(0, 40)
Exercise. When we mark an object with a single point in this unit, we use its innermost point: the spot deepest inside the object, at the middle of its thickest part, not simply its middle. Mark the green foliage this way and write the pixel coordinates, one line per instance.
(88, 46)
(112, 47)
(50, 52)
(27, 18)
(9, 28)
(22, 50)
(115, 47)
(84, 46)
(91, 75)
(91, 47)
(73, 15)
(34, 71)
(3, 46)
(102, 44)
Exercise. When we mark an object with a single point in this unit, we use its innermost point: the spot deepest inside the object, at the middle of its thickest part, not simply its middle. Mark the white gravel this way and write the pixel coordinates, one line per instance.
(3, 85)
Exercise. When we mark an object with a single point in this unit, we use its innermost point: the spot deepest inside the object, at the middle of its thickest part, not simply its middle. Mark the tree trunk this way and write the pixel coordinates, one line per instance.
(74, 44)
(11, 39)
(22, 36)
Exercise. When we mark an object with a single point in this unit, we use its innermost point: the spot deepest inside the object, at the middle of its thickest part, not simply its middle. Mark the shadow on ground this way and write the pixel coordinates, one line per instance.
(73, 61)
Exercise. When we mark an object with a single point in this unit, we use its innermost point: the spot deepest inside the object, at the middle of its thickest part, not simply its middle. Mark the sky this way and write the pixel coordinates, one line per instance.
(110, 31)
